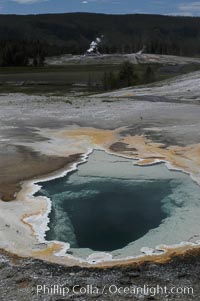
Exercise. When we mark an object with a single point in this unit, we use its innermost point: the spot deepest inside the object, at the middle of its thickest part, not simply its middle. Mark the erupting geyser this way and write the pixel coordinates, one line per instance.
(94, 46)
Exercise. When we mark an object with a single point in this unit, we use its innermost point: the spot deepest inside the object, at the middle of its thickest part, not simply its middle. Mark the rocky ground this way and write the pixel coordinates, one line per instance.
(118, 59)
(21, 116)
(182, 89)
(29, 280)
(167, 112)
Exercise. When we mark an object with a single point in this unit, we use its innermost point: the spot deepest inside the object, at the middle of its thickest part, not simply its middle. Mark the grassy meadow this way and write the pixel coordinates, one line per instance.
(61, 80)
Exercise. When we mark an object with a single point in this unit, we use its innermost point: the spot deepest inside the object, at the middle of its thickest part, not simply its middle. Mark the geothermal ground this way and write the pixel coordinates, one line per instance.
(42, 137)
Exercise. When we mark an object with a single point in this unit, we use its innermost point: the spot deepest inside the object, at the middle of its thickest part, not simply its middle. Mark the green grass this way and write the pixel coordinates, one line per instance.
(60, 80)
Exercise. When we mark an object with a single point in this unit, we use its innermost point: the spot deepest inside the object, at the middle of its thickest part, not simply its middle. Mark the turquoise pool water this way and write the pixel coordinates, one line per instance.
(110, 204)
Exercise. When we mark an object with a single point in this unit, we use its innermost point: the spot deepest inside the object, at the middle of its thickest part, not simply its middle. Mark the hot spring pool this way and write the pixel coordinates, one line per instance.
(109, 204)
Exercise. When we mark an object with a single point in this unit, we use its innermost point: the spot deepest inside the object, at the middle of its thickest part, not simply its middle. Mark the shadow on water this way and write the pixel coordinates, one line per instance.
(110, 203)
(104, 214)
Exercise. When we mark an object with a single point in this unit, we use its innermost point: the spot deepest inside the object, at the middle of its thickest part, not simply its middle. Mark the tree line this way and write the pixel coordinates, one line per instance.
(35, 36)
(21, 53)
(127, 76)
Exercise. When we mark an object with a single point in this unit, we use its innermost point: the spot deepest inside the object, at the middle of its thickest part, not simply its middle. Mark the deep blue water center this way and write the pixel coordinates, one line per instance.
(111, 204)
(118, 213)
(108, 203)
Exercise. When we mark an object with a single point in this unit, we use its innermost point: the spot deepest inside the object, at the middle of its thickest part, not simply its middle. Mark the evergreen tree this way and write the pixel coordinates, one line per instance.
(110, 81)
(127, 76)
(149, 75)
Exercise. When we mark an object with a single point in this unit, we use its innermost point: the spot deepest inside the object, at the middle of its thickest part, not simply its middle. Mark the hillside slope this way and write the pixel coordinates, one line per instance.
(123, 33)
